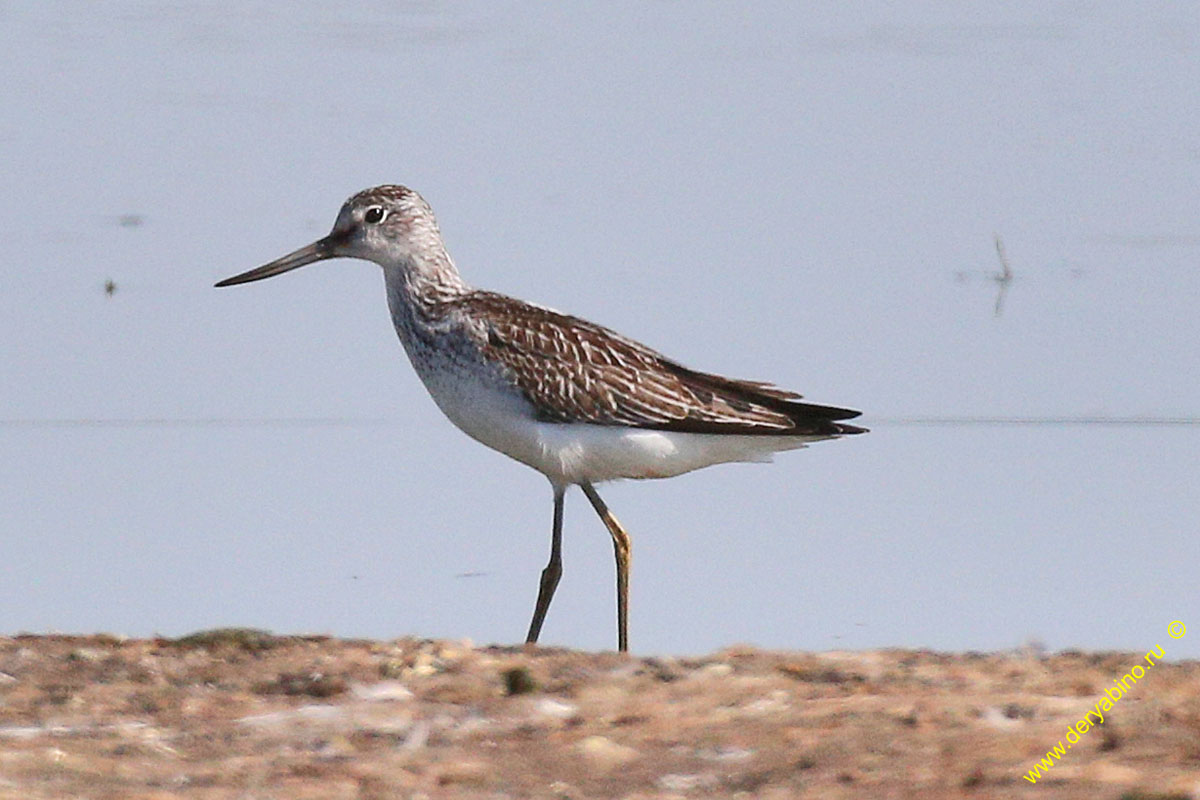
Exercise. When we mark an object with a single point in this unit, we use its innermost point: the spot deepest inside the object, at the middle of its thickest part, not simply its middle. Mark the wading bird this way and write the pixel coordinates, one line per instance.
(576, 401)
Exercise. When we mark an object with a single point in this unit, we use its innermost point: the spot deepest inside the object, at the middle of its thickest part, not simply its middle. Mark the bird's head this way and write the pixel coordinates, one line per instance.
(390, 225)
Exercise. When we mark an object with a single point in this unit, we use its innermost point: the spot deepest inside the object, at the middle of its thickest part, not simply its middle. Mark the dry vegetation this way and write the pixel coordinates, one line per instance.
(243, 714)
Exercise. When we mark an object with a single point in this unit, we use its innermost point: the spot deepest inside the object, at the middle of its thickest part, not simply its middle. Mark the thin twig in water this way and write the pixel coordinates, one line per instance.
(1003, 278)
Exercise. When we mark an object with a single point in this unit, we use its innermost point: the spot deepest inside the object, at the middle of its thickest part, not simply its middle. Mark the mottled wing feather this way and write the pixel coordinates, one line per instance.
(574, 370)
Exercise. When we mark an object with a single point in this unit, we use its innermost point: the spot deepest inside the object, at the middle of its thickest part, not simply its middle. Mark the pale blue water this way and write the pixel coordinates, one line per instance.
(807, 197)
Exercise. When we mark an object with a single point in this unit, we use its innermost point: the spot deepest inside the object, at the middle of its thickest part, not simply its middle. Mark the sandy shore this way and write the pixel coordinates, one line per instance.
(243, 714)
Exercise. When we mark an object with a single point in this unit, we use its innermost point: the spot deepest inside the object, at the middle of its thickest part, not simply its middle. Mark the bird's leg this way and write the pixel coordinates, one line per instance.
(551, 573)
(623, 548)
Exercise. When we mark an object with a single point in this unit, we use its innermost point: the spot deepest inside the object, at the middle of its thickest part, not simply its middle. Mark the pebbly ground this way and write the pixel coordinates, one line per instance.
(244, 714)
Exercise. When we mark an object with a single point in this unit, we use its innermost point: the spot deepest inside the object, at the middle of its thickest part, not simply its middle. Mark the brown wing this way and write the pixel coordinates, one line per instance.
(572, 370)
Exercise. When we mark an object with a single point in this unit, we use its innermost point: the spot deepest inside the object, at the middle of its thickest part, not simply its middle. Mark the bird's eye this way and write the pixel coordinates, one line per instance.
(374, 215)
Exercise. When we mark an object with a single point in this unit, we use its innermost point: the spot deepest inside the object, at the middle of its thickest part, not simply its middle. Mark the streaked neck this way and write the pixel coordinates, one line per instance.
(419, 288)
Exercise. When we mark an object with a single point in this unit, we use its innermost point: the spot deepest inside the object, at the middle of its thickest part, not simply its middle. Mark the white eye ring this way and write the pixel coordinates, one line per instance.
(375, 215)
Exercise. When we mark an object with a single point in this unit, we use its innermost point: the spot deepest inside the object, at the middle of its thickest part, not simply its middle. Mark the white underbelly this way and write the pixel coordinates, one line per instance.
(602, 453)
(568, 453)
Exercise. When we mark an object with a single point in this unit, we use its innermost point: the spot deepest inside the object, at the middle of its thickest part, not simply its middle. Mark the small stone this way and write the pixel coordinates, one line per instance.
(454, 651)
(715, 670)
(384, 690)
(605, 753)
(417, 737)
(555, 709)
(686, 783)
(773, 703)
(726, 754)
(998, 719)
(424, 665)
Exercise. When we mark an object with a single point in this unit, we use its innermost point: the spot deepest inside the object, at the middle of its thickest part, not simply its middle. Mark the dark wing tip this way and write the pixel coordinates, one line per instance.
(829, 412)
(821, 420)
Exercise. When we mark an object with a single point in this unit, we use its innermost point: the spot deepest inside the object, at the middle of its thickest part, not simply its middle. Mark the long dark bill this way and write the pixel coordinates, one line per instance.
(317, 251)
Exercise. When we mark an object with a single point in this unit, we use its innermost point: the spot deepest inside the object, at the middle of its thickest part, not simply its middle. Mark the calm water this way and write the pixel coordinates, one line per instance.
(806, 198)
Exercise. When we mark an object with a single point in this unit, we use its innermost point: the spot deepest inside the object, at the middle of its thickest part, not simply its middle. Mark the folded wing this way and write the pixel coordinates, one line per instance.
(572, 370)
